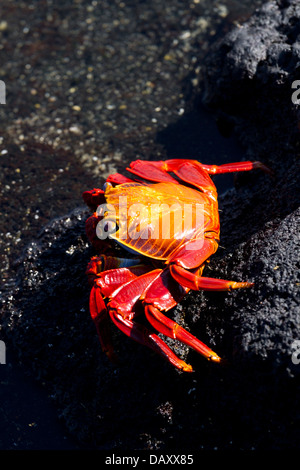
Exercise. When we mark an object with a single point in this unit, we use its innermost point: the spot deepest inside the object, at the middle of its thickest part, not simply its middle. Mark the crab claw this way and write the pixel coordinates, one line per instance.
(93, 198)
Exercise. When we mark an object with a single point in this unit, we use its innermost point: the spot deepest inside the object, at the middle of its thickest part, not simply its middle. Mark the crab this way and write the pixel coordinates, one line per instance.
(166, 218)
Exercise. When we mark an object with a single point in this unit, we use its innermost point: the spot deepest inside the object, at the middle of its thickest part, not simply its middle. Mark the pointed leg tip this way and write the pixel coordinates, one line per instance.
(112, 357)
(214, 357)
(187, 368)
(241, 285)
(182, 366)
(267, 170)
(249, 284)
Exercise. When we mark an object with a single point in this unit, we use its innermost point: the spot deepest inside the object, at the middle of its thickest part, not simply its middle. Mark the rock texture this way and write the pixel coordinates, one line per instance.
(249, 87)
(252, 403)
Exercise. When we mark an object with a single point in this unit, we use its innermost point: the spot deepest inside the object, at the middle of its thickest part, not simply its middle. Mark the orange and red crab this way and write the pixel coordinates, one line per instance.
(168, 221)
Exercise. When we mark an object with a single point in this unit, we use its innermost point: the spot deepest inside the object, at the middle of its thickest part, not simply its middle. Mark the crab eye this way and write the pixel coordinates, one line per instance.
(105, 186)
(109, 226)
(105, 228)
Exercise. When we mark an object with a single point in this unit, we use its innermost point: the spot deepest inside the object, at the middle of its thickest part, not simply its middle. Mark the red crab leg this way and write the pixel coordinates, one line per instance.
(159, 295)
(121, 313)
(143, 336)
(194, 282)
(152, 171)
(194, 253)
(193, 173)
(189, 171)
(125, 298)
(164, 293)
(98, 264)
(105, 284)
(117, 178)
(113, 279)
(168, 327)
(100, 318)
(196, 173)
(233, 167)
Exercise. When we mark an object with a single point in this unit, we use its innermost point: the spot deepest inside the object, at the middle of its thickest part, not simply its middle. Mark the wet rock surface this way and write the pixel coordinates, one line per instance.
(252, 402)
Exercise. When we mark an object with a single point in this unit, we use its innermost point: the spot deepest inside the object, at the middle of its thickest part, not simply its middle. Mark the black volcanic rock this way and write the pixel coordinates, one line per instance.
(249, 88)
(253, 401)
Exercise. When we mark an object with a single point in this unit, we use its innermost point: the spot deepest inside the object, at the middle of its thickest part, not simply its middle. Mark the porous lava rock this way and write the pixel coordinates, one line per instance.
(252, 401)
(248, 87)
